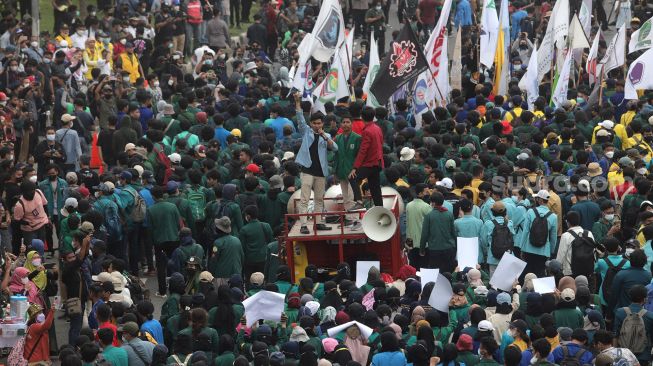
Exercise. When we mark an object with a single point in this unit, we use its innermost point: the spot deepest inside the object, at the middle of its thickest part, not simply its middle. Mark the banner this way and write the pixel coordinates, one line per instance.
(372, 71)
(641, 39)
(577, 37)
(436, 53)
(640, 75)
(556, 31)
(615, 55)
(559, 94)
(403, 62)
(591, 67)
(489, 33)
(529, 82)
(456, 63)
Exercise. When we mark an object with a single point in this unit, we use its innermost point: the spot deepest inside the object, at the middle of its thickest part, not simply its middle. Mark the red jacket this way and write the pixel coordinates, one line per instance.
(357, 127)
(39, 332)
(370, 153)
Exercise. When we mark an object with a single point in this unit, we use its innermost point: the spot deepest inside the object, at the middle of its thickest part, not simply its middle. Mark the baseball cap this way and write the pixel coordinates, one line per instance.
(253, 168)
(129, 146)
(446, 182)
(102, 277)
(174, 158)
(485, 325)
(206, 276)
(503, 298)
(543, 194)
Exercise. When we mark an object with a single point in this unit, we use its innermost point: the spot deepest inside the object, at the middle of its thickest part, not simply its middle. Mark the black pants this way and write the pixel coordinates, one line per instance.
(445, 260)
(358, 15)
(49, 232)
(601, 17)
(134, 248)
(163, 252)
(247, 6)
(534, 264)
(373, 175)
(234, 12)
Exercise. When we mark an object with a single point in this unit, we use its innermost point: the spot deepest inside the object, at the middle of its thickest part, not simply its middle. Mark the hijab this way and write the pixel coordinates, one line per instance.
(566, 282)
(418, 314)
(41, 279)
(16, 286)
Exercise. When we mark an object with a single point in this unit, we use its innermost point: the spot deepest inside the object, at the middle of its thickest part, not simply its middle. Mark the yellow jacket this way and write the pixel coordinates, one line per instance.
(61, 37)
(91, 60)
(638, 140)
(131, 65)
(627, 117)
(619, 130)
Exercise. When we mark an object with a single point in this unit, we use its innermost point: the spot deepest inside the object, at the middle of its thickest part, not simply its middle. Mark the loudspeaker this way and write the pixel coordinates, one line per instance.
(379, 223)
(387, 201)
(292, 204)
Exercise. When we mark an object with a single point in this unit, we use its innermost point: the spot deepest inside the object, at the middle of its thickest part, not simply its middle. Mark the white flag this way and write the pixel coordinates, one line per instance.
(556, 31)
(372, 70)
(424, 94)
(592, 67)
(528, 82)
(585, 15)
(334, 85)
(562, 85)
(436, 53)
(456, 64)
(615, 55)
(577, 37)
(640, 75)
(642, 38)
(489, 33)
(302, 81)
(329, 31)
(502, 55)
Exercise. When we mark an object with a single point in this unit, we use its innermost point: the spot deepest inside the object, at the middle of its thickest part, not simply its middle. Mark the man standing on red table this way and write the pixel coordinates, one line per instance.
(369, 161)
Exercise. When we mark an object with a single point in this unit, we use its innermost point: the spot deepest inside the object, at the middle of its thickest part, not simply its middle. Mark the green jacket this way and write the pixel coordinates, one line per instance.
(438, 231)
(238, 122)
(171, 125)
(271, 262)
(467, 358)
(227, 257)
(570, 318)
(239, 311)
(185, 211)
(225, 359)
(255, 236)
(212, 333)
(346, 155)
(48, 192)
(164, 220)
(169, 309)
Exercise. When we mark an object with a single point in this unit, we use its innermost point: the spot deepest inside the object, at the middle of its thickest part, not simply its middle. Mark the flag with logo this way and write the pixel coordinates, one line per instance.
(592, 66)
(615, 55)
(502, 55)
(403, 62)
(561, 87)
(372, 71)
(489, 33)
(302, 81)
(642, 38)
(640, 75)
(335, 85)
(436, 53)
(556, 31)
(423, 96)
(328, 32)
(529, 82)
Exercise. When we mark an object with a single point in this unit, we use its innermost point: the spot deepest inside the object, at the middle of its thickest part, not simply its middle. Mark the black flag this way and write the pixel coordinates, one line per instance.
(403, 62)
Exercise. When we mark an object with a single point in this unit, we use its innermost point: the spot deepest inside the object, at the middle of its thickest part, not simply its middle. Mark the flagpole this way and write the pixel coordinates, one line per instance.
(352, 94)
(601, 88)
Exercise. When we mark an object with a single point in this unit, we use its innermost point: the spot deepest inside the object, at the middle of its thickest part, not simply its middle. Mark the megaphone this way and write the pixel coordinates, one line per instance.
(294, 201)
(388, 201)
(379, 223)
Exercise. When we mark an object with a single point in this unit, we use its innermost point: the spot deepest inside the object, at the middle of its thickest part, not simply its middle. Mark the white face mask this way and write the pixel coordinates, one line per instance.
(609, 217)
(33, 179)
(36, 262)
(13, 68)
(126, 79)
(80, 32)
(533, 360)
(609, 154)
(24, 280)
(156, 84)
(34, 44)
(40, 318)
(123, 41)
(97, 194)
(170, 82)
(26, 85)
(50, 137)
(642, 171)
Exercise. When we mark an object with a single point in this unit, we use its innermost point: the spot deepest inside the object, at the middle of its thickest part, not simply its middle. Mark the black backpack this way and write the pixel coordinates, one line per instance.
(539, 234)
(582, 254)
(568, 360)
(609, 276)
(502, 239)
(214, 210)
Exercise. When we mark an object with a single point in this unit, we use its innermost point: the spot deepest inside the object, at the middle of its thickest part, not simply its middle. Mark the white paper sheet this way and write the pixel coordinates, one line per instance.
(508, 270)
(266, 305)
(544, 285)
(441, 294)
(427, 275)
(362, 267)
(365, 330)
(467, 252)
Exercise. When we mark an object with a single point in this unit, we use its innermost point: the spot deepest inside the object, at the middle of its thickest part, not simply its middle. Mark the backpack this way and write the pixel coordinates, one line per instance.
(568, 360)
(179, 362)
(502, 239)
(140, 207)
(620, 360)
(197, 200)
(632, 334)
(163, 167)
(582, 253)
(214, 211)
(137, 288)
(631, 213)
(609, 276)
(539, 234)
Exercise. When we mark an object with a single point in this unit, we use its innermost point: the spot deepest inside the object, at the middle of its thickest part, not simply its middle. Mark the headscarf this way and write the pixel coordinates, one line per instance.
(397, 329)
(16, 286)
(354, 342)
(566, 282)
(284, 77)
(41, 279)
(328, 314)
(528, 281)
(418, 314)
(37, 244)
(474, 277)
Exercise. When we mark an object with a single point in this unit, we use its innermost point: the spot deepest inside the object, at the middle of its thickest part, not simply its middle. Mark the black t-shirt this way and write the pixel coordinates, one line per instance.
(105, 142)
(163, 32)
(89, 177)
(315, 168)
(72, 278)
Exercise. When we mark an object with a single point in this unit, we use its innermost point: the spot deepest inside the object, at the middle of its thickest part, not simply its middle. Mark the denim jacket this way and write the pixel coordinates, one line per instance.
(304, 156)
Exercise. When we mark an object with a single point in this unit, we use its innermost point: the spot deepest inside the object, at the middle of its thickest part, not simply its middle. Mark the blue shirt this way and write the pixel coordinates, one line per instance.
(308, 136)
(278, 124)
(515, 24)
(463, 14)
(146, 116)
(92, 319)
(221, 135)
(469, 226)
(486, 237)
(154, 328)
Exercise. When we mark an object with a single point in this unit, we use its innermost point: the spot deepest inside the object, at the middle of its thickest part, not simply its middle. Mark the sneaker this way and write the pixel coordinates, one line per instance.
(304, 230)
(357, 207)
(157, 294)
(322, 227)
(349, 222)
(356, 226)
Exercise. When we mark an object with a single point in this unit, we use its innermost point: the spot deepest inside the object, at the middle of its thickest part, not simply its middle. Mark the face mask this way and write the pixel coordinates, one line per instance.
(629, 251)
(33, 179)
(93, 13)
(533, 360)
(156, 84)
(609, 154)
(123, 41)
(40, 318)
(77, 13)
(80, 32)
(176, 7)
(105, 40)
(24, 280)
(124, 340)
(47, 60)
(170, 82)
(515, 199)
(378, 7)
(208, 62)
(97, 194)
(26, 85)
(222, 56)
(13, 68)
(36, 262)
(34, 44)
(642, 171)
(247, 80)
(609, 217)
(126, 79)
(175, 57)
(170, 45)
